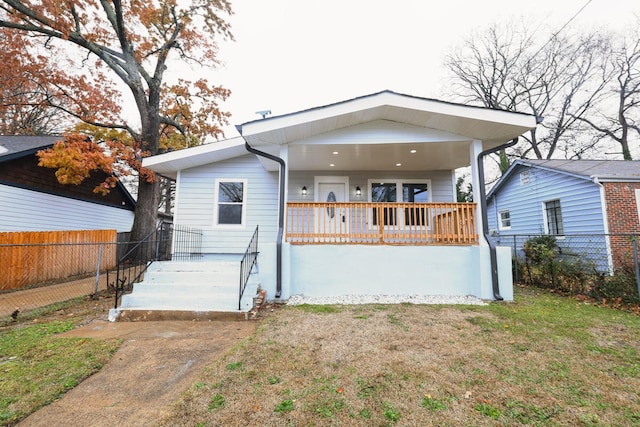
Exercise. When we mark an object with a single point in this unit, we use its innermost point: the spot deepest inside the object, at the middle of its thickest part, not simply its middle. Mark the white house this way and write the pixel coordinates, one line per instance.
(356, 197)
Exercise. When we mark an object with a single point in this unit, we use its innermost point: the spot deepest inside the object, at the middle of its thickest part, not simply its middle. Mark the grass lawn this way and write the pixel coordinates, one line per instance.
(543, 360)
(36, 367)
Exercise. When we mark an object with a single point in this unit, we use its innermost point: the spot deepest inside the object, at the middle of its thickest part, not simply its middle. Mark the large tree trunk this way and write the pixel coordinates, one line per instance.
(146, 215)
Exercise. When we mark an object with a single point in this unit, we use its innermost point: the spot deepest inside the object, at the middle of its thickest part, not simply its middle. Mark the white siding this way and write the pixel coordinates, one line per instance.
(27, 210)
(196, 190)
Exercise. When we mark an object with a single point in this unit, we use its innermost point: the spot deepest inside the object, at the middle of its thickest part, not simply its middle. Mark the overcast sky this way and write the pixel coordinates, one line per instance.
(296, 54)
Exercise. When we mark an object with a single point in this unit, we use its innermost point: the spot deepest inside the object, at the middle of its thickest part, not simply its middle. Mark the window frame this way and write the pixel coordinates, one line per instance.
(545, 216)
(501, 225)
(398, 214)
(217, 203)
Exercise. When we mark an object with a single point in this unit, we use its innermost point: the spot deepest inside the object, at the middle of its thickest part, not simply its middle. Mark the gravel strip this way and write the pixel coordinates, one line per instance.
(386, 299)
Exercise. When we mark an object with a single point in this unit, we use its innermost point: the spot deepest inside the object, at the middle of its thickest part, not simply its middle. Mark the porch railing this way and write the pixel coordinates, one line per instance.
(382, 223)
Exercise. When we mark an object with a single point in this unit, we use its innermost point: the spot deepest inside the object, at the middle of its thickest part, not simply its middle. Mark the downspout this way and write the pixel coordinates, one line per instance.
(485, 220)
(280, 209)
(605, 222)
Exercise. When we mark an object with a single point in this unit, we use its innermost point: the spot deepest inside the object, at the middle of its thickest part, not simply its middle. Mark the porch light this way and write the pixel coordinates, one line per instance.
(304, 190)
(358, 192)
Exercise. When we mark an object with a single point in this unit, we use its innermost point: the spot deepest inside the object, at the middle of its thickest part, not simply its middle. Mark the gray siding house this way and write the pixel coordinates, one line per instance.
(356, 197)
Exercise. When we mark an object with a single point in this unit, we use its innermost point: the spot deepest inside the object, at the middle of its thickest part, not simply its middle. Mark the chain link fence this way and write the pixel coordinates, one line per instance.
(42, 268)
(602, 266)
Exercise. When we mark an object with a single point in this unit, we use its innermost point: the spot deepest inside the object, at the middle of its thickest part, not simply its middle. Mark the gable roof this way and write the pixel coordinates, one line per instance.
(420, 118)
(18, 146)
(602, 170)
(492, 126)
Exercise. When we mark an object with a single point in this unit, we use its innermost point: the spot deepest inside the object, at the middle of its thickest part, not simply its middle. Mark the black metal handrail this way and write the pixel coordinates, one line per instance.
(246, 265)
(132, 265)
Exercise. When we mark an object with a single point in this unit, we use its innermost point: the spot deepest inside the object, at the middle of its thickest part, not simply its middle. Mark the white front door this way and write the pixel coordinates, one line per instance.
(330, 221)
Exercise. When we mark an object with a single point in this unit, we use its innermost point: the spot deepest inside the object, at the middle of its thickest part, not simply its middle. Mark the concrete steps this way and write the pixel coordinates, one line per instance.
(205, 289)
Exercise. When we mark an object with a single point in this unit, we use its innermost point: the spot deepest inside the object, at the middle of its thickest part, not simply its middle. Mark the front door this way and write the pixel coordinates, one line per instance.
(331, 222)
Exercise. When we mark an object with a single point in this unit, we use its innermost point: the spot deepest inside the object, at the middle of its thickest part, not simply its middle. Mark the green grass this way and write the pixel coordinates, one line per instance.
(318, 308)
(37, 367)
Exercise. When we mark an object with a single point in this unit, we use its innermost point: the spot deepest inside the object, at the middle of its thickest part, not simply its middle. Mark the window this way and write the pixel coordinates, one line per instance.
(553, 218)
(414, 191)
(230, 202)
(524, 177)
(505, 220)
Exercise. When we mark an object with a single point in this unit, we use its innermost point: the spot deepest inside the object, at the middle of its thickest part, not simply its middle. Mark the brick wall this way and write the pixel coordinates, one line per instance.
(622, 212)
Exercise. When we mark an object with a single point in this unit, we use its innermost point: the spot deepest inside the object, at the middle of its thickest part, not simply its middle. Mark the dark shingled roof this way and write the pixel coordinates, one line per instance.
(15, 146)
(612, 169)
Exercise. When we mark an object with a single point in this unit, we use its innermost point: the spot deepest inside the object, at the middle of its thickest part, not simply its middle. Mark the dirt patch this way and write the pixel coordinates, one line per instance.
(156, 363)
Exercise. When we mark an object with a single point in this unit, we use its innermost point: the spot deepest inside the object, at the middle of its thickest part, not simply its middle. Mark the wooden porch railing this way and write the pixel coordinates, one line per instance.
(382, 223)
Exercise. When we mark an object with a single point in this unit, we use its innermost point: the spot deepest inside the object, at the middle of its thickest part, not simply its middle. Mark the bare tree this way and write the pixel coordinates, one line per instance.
(557, 80)
(618, 117)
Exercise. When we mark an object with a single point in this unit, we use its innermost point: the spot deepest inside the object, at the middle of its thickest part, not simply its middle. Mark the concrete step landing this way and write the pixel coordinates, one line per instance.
(189, 291)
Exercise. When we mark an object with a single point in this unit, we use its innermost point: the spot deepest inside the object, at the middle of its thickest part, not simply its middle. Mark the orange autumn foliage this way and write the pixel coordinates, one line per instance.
(77, 56)
(89, 58)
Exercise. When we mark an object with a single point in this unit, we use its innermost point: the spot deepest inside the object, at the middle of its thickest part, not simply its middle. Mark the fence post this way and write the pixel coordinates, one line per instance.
(515, 257)
(634, 239)
(95, 294)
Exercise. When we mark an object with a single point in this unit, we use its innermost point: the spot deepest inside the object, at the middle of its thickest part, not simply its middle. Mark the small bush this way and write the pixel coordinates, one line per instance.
(541, 249)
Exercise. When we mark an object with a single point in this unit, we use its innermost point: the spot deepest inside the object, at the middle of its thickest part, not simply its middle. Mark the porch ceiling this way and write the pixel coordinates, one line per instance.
(382, 157)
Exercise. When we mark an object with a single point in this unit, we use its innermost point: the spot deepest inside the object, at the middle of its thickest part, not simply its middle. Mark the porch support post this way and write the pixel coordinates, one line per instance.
(474, 151)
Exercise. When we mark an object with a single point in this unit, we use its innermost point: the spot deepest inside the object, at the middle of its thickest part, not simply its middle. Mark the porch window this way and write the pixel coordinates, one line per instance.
(505, 219)
(414, 191)
(230, 202)
(382, 192)
(553, 218)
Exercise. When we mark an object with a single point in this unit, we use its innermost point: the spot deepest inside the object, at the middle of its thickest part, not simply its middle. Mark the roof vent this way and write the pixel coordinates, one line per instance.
(264, 113)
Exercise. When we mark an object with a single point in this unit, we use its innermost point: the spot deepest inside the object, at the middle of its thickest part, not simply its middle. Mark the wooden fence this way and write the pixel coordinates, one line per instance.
(29, 258)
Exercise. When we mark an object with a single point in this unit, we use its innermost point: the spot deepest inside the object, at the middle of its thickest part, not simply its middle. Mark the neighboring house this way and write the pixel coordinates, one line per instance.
(356, 197)
(598, 199)
(31, 198)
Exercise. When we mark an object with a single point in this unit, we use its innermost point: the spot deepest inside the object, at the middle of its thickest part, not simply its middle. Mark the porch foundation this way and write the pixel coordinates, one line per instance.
(330, 270)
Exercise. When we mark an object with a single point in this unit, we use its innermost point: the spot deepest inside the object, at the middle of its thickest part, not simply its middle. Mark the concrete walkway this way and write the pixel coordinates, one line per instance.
(157, 362)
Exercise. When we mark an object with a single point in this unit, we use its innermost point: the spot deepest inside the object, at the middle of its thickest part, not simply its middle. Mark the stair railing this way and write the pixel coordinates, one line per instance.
(246, 265)
(132, 265)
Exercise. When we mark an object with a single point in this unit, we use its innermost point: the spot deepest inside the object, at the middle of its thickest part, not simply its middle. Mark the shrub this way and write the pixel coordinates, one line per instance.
(540, 250)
